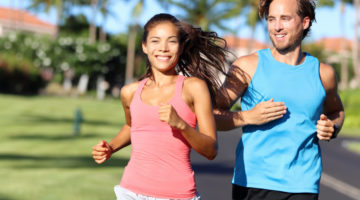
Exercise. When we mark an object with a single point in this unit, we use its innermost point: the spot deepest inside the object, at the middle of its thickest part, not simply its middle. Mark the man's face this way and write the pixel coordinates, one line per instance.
(285, 25)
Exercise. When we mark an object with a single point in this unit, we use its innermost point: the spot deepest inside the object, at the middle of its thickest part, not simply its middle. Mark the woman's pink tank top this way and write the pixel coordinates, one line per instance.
(159, 165)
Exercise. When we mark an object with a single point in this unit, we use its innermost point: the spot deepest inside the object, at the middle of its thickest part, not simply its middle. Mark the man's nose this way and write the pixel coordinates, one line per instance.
(278, 25)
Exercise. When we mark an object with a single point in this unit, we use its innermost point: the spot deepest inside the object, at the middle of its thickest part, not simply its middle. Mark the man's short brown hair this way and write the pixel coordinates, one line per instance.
(306, 8)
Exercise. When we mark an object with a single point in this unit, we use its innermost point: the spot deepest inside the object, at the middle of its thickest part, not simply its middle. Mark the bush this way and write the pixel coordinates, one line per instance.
(19, 75)
(68, 52)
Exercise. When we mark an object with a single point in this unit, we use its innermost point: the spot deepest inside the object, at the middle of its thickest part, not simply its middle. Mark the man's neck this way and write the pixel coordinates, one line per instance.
(293, 57)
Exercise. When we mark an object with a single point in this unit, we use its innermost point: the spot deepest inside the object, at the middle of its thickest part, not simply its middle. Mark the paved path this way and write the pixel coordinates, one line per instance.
(341, 180)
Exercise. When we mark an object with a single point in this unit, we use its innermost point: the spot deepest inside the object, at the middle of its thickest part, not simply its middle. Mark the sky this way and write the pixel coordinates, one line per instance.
(328, 20)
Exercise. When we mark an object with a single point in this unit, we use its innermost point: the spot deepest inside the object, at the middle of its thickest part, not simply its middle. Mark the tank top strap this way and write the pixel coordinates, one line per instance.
(139, 89)
(179, 86)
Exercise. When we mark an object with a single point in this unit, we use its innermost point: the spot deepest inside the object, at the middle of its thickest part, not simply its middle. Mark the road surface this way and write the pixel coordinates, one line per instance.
(340, 181)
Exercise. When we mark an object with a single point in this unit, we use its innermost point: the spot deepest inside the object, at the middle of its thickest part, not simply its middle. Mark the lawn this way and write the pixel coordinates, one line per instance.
(351, 102)
(41, 159)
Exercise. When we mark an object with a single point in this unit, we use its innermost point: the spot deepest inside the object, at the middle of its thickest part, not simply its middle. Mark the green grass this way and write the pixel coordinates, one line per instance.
(351, 102)
(354, 146)
(41, 159)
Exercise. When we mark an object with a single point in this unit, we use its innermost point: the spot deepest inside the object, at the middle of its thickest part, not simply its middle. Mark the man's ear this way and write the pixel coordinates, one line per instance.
(143, 45)
(306, 23)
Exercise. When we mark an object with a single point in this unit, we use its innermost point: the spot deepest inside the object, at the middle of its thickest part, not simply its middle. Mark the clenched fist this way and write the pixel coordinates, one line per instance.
(169, 115)
(101, 152)
(324, 128)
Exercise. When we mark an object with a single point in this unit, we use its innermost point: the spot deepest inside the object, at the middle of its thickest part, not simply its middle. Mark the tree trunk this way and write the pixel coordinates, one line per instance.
(343, 57)
(92, 31)
(356, 43)
(130, 58)
(102, 36)
(59, 10)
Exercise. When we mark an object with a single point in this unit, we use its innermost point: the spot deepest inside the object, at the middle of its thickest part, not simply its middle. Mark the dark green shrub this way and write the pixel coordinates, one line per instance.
(19, 75)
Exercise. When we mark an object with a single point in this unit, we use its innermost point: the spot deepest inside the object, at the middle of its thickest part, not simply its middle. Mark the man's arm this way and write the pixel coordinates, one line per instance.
(333, 111)
(239, 77)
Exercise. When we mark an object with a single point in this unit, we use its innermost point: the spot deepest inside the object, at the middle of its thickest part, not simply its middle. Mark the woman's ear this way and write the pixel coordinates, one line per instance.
(143, 45)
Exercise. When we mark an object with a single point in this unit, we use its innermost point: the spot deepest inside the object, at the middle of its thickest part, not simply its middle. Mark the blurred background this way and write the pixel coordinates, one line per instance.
(63, 63)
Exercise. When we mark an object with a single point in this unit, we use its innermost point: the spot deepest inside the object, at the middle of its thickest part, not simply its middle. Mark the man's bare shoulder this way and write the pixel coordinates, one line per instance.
(328, 76)
(247, 62)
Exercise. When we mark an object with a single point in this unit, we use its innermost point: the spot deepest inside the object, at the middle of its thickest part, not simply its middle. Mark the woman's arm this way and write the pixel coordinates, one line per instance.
(204, 140)
(103, 150)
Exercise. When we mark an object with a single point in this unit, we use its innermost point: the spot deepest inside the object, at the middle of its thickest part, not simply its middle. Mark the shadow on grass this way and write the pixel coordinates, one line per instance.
(53, 119)
(3, 197)
(66, 136)
(31, 161)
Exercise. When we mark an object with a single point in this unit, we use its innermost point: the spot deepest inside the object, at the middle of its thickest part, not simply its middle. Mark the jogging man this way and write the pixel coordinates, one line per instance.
(289, 102)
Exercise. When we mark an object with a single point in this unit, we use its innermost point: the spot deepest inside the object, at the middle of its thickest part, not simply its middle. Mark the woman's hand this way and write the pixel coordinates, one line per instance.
(169, 115)
(101, 152)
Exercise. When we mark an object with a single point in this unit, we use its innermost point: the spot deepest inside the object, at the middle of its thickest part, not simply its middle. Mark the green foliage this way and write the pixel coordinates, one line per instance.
(101, 58)
(205, 13)
(40, 157)
(75, 25)
(315, 50)
(19, 75)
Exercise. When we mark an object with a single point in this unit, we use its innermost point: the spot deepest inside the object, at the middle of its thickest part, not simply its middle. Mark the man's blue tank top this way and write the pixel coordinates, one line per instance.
(284, 154)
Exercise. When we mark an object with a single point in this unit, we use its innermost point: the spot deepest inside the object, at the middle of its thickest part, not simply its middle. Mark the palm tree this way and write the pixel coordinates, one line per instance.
(104, 11)
(356, 44)
(205, 13)
(343, 60)
(92, 27)
(45, 5)
(130, 57)
(252, 19)
(355, 47)
(343, 46)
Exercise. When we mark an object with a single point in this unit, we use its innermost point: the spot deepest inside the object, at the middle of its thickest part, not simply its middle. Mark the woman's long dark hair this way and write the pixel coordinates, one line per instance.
(203, 55)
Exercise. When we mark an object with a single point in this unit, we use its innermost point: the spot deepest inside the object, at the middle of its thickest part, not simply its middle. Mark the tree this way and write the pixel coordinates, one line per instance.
(130, 57)
(252, 19)
(356, 44)
(355, 49)
(206, 13)
(45, 5)
(92, 28)
(343, 58)
(105, 12)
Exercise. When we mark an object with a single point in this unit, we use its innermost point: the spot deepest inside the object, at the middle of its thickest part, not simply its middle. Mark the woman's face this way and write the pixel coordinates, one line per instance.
(162, 47)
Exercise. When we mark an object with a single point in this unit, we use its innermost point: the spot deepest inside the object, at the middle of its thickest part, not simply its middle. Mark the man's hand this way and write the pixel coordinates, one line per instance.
(265, 112)
(101, 152)
(324, 128)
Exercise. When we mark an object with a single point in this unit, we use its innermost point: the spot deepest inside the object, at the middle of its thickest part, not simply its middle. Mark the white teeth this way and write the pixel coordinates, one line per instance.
(163, 57)
(279, 36)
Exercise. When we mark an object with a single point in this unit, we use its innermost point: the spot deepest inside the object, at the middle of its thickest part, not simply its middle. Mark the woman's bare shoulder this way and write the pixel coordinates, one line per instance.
(128, 91)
